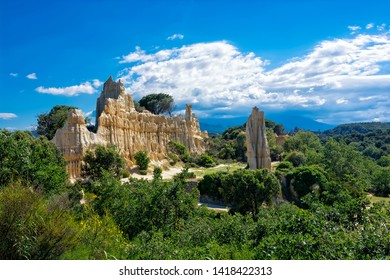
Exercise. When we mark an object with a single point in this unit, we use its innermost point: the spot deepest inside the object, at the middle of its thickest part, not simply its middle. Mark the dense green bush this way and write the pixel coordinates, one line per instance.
(32, 228)
(142, 159)
(103, 159)
(206, 161)
(34, 162)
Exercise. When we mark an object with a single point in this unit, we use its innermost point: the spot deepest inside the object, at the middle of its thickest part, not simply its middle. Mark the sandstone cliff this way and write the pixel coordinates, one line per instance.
(73, 140)
(258, 152)
(131, 131)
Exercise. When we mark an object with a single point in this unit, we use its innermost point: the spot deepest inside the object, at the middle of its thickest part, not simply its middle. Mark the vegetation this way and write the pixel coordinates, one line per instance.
(102, 159)
(142, 159)
(34, 162)
(314, 206)
(55, 119)
(158, 103)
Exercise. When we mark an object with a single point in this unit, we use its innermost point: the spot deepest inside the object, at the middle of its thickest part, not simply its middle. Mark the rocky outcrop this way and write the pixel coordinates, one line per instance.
(73, 140)
(111, 89)
(131, 131)
(258, 153)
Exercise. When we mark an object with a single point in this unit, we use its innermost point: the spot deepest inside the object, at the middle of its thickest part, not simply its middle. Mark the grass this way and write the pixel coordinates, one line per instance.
(230, 167)
(374, 199)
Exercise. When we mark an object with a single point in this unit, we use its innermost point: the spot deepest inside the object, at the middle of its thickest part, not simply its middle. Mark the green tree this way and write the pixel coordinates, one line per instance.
(296, 158)
(158, 103)
(55, 119)
(206, 161)
(142, 159)
(102, 159)
(308, 143)
(34, 162)
(246, 190)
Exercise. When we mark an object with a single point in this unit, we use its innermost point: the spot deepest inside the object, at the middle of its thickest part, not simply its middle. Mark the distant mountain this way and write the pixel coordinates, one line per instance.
(289, 121)
(363, 128)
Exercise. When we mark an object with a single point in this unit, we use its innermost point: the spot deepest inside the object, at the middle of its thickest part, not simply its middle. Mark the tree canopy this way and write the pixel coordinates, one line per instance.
(55, 119)
(158, 103)
(32, 161)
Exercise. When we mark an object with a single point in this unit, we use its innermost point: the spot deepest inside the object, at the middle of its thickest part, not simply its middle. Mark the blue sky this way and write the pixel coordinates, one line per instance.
(326, 60)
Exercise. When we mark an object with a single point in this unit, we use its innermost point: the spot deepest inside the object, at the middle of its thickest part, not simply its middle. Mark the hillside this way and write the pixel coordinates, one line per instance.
(363, 128)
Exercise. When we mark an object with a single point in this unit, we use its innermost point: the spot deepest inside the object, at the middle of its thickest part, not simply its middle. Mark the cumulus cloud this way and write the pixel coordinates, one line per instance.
(13, 74)
(176, 36)
(221, 80)
(216, 72)
(86, 88)
(7, 116)
(32, 76)
(369, 26)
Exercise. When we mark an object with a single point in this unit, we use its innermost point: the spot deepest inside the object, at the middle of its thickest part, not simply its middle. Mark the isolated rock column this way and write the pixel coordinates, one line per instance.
(258, 153)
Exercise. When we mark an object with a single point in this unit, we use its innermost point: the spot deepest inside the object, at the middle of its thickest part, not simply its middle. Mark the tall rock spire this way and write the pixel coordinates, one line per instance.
(258, 153)
(111, 89)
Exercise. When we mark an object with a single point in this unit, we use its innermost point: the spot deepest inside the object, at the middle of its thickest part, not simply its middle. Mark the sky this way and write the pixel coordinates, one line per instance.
(324, 60)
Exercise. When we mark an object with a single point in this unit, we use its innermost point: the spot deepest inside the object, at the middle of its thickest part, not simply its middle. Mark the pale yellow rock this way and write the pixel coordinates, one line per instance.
(73, 140)
(131, 131)
(258, 152)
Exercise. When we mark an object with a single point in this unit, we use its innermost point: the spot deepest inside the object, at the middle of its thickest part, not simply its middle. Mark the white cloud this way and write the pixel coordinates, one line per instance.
(13, 74)
(220, 80)
(341, 101)
(176, 36)
(354, 29)
(97, 83)
(381, 27)
(369, 26)
(7, 116)
(32, 76)
(86, 88)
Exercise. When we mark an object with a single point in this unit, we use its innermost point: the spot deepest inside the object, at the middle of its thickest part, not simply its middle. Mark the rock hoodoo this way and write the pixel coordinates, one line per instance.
(258, 153)
(120, 124)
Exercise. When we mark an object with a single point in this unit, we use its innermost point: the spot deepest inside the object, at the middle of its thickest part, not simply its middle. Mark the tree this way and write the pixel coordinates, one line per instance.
(55, 119)
(158, 103)
(102, 159)
(246, 190)
(206, 161)
(142, 159)
(34, 162)
(296, 158)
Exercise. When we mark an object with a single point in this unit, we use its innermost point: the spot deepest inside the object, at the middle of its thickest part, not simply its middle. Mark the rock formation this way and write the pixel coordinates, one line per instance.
(73, 140)
(258, 153)
(120, 124)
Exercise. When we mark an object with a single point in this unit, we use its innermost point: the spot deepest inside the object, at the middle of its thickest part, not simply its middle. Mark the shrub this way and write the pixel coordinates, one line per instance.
(296, 158)
(206, 161)
(142, 159)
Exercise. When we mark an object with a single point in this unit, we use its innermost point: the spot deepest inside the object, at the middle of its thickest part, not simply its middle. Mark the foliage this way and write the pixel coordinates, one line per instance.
(178, 150)
(296, 158)
(158, 103)
(143, 205)
(246, 190)
(34, 162)
(211, 185)
(206, 161)
(102, 159)
(32, 228)
(100, 239)
(307, 143)
(345, 164)
(157, 173)
(55, 119)
(142, 159)
(307, 179)
(362, 128)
